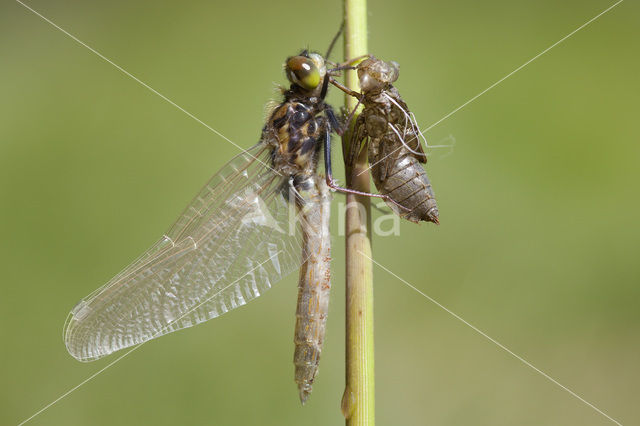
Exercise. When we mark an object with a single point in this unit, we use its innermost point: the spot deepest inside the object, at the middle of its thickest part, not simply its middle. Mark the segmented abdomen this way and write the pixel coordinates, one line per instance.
(404, 180)
(314, 284)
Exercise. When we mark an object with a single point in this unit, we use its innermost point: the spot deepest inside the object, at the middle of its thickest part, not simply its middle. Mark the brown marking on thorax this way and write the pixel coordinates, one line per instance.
(297, 132)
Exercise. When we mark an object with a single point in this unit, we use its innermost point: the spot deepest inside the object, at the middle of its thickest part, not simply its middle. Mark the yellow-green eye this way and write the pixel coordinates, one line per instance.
(303, 72)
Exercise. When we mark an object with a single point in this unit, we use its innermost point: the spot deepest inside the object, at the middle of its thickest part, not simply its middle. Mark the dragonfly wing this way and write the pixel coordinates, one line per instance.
(230, 244)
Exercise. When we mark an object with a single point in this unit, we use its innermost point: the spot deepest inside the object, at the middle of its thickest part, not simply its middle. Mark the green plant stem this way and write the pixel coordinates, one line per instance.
(358, 398)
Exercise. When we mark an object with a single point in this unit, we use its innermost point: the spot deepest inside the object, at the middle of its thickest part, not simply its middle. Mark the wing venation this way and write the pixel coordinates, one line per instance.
(230, 245)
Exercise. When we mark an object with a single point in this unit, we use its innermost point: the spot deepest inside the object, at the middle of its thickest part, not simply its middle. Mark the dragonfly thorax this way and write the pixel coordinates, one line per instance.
(299, 131)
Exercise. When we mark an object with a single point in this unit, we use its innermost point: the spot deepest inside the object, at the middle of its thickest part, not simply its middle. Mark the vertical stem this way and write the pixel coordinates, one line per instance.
(358, 397)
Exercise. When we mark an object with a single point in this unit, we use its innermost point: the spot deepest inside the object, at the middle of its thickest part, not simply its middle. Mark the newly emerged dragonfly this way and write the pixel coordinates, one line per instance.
(233, 241)
(390, 133)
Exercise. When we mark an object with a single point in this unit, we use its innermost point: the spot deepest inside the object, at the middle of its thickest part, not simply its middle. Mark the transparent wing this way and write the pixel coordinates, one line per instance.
(230, 244)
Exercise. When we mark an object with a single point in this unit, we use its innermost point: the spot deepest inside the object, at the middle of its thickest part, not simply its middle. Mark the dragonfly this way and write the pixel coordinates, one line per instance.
(390, 133)
(235, 239)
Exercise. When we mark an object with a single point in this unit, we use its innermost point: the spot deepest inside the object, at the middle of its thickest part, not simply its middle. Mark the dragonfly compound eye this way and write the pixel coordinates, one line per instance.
(303, 72)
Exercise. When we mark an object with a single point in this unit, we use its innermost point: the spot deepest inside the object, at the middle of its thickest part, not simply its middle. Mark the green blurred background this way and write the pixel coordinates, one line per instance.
(539, 205)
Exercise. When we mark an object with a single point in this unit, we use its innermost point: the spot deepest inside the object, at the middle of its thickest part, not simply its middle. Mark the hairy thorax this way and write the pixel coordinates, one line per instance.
(296, 131)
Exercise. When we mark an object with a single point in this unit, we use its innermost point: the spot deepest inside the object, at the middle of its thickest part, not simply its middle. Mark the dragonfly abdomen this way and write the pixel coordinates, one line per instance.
(393, 137)
(404, 180)
(314, 285)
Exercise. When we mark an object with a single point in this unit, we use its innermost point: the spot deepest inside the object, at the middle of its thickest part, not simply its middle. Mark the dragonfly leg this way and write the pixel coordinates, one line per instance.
(344, 88)
(358, 96)
(335, 124)
(333, 121)
(333, 185)
(352, 113)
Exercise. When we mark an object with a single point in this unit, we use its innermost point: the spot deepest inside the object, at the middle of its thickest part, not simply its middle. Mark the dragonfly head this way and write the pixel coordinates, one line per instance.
(376, 75)
(307, 71)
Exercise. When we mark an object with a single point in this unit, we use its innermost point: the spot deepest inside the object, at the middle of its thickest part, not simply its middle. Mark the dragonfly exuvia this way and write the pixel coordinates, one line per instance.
(388, 130)
(235, 239)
